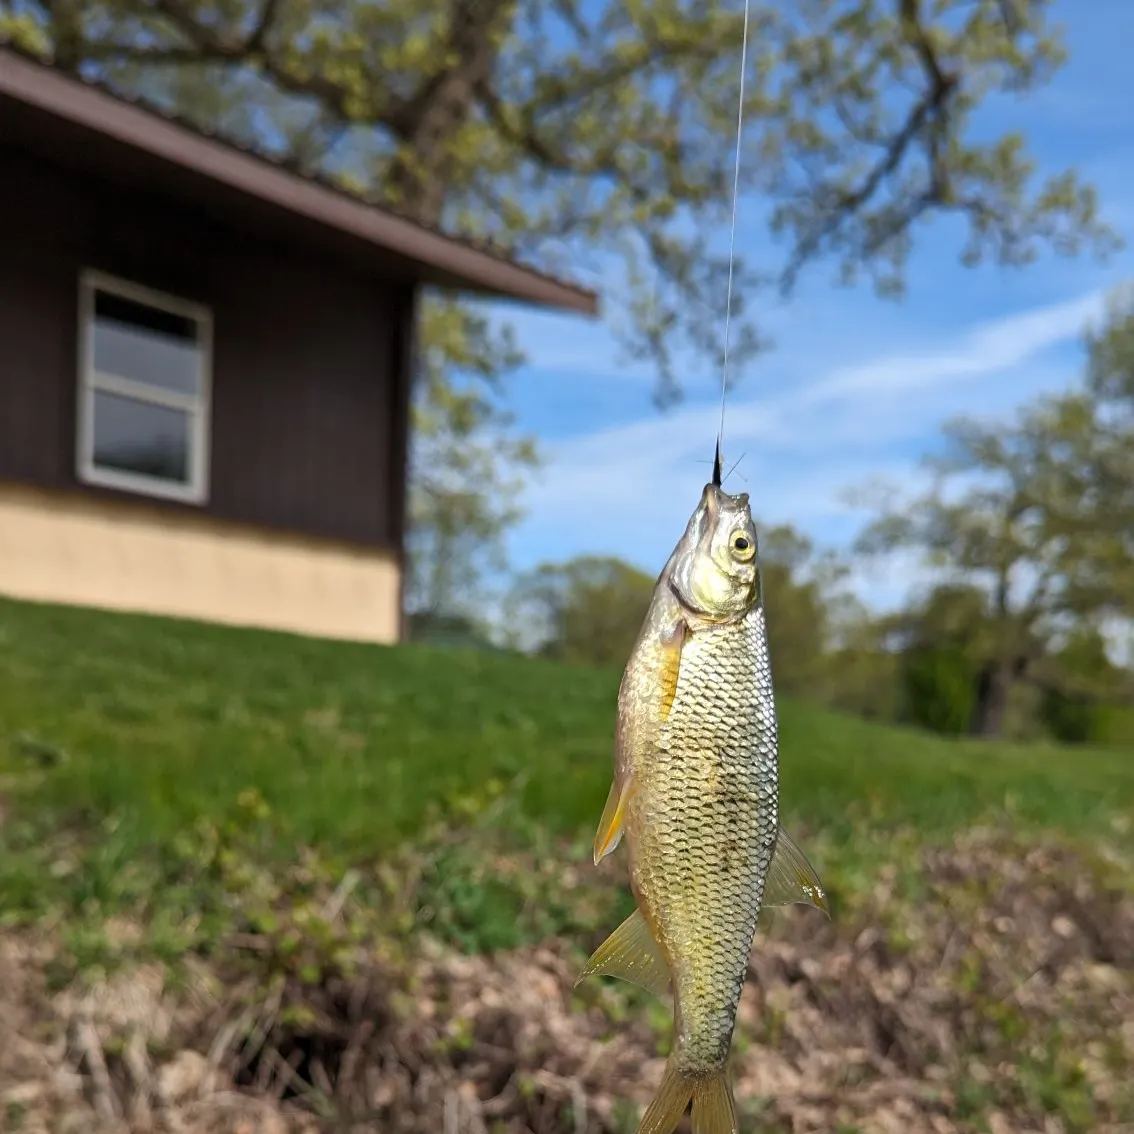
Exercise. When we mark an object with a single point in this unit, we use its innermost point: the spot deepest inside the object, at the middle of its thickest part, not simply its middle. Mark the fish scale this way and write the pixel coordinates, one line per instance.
(711, 794)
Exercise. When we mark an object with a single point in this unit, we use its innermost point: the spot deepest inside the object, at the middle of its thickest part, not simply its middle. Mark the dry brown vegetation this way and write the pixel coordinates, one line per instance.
(991, 988)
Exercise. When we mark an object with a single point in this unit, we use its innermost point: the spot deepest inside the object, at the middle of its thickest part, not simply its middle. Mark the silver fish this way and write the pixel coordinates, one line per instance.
(696, 794)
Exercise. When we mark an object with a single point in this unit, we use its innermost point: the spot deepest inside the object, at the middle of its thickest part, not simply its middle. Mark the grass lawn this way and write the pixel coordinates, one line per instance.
(120, 732)
(177, 793)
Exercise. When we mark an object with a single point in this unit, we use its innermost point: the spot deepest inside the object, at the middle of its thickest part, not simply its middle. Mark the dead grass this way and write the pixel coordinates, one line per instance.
(991, 989)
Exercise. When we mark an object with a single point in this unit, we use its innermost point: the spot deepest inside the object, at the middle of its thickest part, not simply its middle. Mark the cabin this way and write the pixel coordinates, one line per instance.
(206, 362)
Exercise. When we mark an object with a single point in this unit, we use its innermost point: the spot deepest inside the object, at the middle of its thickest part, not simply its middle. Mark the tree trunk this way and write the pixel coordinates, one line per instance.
(994, 690)
(993, 687)
(416, 182)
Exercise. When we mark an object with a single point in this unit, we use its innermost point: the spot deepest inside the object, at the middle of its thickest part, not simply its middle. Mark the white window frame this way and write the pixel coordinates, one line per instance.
(198, 407)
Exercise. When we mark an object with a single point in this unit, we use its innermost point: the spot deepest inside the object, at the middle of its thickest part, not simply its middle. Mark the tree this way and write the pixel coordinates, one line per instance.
(1106, 530)
(798, 591)
(941, 644)
(560, 128)
(587, 611)
(863, 672)
(938, 689)
(598, 136)
(1034, 514)
(1083, 689)
(467, 462)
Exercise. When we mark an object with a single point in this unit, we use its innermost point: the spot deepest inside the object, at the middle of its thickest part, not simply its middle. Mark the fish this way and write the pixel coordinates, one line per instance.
(695, 794)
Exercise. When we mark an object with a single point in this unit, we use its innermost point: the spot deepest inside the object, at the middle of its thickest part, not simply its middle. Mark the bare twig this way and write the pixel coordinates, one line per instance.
(334, 906)
(284, 1073)
(88, 1043)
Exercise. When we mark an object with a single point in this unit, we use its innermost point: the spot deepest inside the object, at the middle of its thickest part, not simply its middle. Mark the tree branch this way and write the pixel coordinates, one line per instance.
(928, 111)
(263, 25)
(208, 45)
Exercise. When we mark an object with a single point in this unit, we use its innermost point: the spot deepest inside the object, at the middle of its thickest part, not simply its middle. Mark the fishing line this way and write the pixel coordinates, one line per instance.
(732, 242)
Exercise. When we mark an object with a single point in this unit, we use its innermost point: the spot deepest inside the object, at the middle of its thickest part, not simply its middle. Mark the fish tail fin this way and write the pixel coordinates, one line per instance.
(667, 1107)
(714, 1109)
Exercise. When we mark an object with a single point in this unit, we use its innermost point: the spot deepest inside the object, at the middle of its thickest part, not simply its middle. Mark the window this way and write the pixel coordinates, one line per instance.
(144, 378)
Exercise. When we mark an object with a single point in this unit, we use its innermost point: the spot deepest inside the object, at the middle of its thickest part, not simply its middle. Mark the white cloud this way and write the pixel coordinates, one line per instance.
(988, 349)
(627, 490)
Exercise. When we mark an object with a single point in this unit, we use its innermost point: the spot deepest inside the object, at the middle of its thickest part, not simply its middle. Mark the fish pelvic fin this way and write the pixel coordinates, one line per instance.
(631, 953)
(714, 1109)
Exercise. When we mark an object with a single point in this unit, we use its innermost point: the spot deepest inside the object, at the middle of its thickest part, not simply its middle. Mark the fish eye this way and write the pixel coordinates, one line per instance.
(742, 547)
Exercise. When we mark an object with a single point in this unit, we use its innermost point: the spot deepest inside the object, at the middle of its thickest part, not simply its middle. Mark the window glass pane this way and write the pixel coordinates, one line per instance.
(138, 437)
(132, 340)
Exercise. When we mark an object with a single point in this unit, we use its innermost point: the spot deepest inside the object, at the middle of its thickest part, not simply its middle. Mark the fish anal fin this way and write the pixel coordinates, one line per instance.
(631, 953)
(609, 833)
(792, 879)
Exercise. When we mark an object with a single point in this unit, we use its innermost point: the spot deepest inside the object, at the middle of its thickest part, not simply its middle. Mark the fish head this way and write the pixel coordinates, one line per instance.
(714, 569)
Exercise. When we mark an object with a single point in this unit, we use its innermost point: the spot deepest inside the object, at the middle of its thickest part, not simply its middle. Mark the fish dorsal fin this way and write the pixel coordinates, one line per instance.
(609, 833)
(631, 953)
(792, 879)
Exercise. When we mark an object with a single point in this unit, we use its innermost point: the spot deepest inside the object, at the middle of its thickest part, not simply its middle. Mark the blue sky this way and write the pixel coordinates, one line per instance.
(855, 388)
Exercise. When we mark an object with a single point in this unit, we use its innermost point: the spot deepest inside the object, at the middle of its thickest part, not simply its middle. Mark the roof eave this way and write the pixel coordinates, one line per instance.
(442, 259)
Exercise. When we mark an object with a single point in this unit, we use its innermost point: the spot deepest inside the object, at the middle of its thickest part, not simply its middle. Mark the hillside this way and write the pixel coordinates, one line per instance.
(264, 883)
(157, 722)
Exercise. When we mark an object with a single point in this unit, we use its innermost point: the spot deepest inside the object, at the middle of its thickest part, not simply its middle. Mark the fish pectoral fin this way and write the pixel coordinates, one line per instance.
(609, 833)
(669, 669)
(792, 879)
(631, 953)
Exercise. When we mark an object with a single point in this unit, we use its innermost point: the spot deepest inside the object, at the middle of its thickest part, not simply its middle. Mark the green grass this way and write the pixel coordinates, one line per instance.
(159, 721)
(126, 730)
(164, 775)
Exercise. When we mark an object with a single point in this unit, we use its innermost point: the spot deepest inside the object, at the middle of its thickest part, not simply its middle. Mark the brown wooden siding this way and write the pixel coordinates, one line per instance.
(309, 393)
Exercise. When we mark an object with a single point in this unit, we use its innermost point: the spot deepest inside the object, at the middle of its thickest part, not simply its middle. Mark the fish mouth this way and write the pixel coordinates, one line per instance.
(716, 497)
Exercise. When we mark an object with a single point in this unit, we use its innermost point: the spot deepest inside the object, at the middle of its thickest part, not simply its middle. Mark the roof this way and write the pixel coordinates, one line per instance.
(72, 114)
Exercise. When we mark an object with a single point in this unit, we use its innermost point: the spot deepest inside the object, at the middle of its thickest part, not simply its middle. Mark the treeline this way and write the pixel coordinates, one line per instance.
(930, 665)
(1029, 531)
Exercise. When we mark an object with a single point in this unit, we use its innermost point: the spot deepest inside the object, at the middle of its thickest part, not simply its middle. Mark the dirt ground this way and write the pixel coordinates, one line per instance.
(998, 997)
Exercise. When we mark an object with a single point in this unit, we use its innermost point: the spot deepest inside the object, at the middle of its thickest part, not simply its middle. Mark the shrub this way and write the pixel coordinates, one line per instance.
(938, 689)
